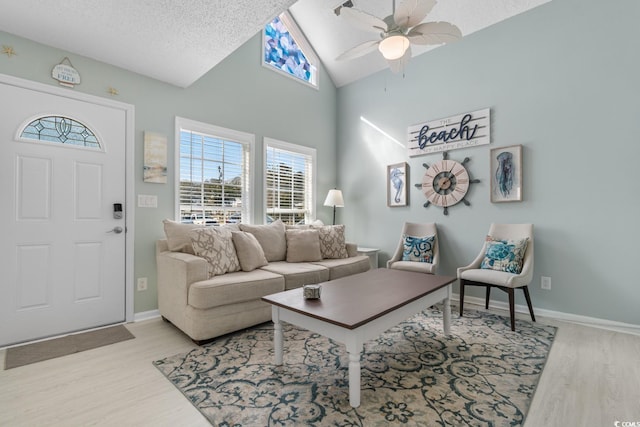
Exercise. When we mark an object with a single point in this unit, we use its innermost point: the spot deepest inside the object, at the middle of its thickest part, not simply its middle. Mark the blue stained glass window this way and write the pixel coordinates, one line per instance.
(60, 130)
(282, 52)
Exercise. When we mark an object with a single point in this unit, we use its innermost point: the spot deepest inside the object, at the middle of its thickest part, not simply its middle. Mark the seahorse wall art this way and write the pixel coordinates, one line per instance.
(397, 182)
(505, 173)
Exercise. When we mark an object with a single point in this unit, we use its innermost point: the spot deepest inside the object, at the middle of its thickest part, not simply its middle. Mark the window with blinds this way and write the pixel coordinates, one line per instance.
(289, 182)
(214, 175)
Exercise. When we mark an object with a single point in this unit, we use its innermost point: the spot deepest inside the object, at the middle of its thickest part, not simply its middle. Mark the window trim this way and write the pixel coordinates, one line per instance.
(302, 42)
(224, 133)
(296, 148)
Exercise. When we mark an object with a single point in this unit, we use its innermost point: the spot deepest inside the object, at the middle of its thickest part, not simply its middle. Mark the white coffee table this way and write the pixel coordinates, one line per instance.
(358, 308)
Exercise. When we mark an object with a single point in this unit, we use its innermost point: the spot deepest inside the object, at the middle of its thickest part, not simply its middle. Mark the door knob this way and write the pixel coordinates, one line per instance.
(116, 230)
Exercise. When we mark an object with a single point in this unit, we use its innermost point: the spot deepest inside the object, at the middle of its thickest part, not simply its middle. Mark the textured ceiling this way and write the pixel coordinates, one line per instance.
(177, 41)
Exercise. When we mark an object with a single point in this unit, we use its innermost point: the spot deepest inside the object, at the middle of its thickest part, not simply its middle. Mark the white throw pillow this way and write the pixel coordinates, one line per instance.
(303, 245)
(271, 238)
(249, 251)
(178, 239)
(215, 244)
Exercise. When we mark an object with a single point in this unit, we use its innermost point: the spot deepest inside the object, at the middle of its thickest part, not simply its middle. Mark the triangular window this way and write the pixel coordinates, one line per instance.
(286, 50)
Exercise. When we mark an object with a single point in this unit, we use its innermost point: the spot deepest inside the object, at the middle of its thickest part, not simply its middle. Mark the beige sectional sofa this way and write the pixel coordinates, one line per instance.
(211, 279)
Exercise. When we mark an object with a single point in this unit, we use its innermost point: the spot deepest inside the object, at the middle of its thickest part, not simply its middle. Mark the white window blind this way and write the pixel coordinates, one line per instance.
(214, 177)
(289, 182)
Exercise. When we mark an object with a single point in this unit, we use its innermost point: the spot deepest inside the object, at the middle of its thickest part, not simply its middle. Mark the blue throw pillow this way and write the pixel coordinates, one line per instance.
(419, 249)
(504, 255)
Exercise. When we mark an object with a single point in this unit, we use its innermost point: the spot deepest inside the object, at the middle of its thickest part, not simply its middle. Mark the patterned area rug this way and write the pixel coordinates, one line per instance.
(482, 375)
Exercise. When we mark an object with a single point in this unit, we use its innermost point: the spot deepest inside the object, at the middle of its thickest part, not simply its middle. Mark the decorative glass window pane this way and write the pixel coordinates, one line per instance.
(286, 50)
(60, 130)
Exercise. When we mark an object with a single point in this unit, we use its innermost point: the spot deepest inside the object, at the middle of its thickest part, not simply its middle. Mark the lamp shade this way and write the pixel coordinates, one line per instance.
(394, 46)
(334, 198)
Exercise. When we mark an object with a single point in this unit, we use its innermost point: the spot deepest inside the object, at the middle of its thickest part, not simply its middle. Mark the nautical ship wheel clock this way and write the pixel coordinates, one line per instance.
(446, 183)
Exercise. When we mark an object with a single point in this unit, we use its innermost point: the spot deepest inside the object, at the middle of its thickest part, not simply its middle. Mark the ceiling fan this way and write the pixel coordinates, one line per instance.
(398, 31)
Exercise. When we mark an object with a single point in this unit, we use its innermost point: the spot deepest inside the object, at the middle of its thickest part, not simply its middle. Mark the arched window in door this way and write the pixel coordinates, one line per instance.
(60, 130)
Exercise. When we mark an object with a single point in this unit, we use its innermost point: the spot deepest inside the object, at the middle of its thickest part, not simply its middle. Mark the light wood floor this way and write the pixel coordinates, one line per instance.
(592, 378)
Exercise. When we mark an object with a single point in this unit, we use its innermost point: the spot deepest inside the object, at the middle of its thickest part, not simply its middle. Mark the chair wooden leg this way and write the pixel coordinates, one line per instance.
(461, 295)
(486, 303)
(512, 312)
(525, 289)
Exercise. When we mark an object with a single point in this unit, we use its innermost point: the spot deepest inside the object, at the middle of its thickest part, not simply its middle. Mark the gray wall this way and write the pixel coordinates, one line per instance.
(238, 93)
(562, 80)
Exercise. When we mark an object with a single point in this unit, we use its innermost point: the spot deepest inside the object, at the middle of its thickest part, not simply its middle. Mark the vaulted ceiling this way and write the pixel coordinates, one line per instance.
(178, 41)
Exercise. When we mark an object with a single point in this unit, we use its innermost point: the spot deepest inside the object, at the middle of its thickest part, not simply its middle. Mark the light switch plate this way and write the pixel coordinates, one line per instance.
(147, 201)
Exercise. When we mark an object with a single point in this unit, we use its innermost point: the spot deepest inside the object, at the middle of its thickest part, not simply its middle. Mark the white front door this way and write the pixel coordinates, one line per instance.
(62, 252)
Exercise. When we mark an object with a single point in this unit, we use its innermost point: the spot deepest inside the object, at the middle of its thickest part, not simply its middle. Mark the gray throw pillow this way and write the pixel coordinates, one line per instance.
(303, 245)
(249, 251)
(215, 244)
(271, 238)
(332, 241)
(177, 234)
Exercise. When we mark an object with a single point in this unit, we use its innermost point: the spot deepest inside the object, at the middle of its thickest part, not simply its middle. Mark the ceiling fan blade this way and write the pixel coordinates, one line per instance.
(363, 21)
(412, 12)
(397, 65)
(359, 50)
(434, 33)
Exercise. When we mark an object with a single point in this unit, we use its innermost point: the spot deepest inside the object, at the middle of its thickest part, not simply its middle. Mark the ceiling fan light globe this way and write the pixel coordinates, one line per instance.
(393, 47)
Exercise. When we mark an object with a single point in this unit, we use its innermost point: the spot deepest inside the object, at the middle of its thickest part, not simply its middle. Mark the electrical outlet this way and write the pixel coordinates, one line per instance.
(545, 282)
(142, 283)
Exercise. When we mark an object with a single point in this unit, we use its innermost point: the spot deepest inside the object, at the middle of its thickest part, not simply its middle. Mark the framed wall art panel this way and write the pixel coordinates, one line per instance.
(155, 158)
(397, 183)
(506, 174)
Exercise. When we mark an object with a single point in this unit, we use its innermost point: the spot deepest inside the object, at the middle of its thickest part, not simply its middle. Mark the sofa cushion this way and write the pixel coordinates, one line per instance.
(345, 266)
(493, 277)
(297, 274)
(271, 238)
(297, 227)
(303, 245)
(177, 234)
(352, 249)
(332, 242)
(418, 267)
(316, 223)
(216, 321)
(178, 238)
(215, 244)
(234, 288)
(249, 251)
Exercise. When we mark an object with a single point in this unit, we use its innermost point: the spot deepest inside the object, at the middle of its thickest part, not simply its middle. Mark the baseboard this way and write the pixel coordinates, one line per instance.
(556, 315)
(499, 305)
(146, 315)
